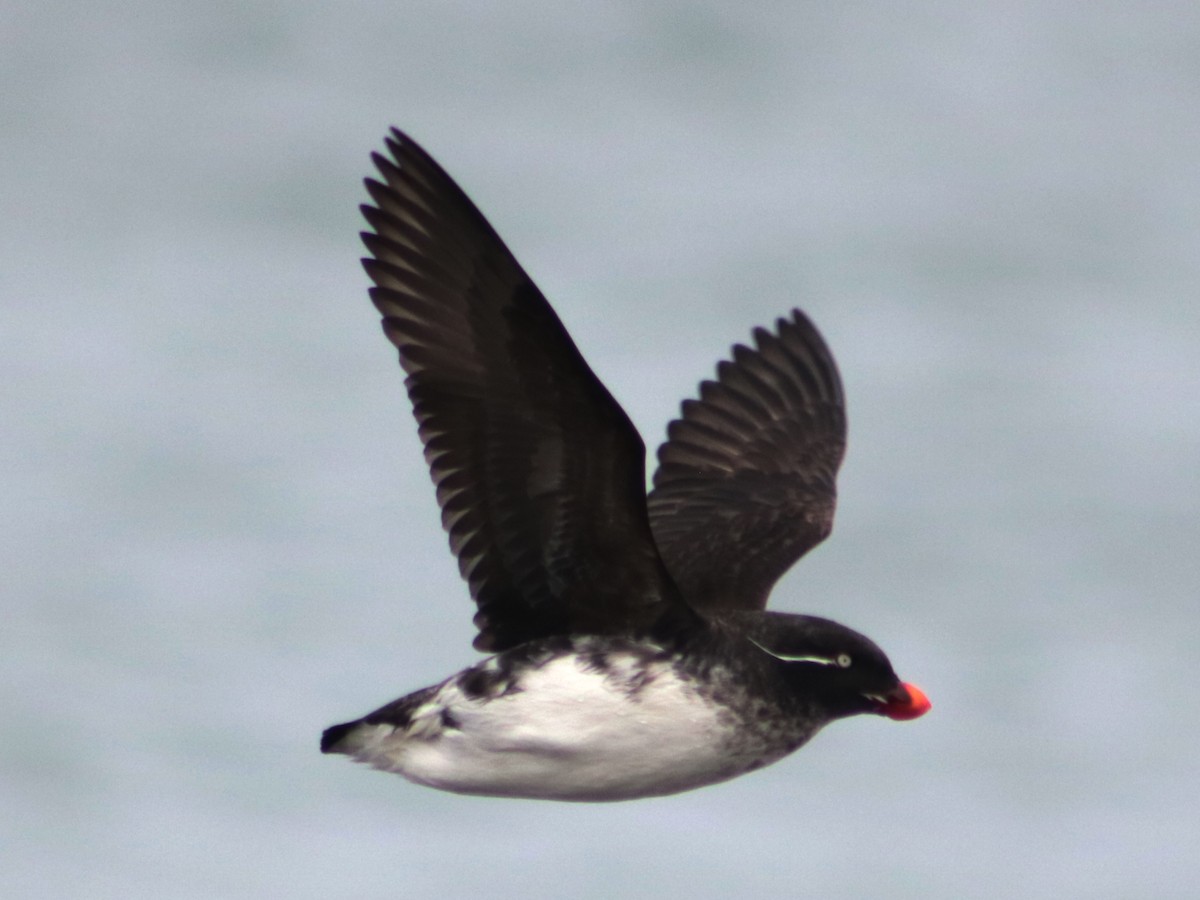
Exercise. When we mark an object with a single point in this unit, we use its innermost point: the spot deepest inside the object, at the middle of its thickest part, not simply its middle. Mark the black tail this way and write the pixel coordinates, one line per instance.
(334, 734)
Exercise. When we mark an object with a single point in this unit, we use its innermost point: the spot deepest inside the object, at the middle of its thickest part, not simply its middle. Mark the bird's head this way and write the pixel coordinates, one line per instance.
(845, 672)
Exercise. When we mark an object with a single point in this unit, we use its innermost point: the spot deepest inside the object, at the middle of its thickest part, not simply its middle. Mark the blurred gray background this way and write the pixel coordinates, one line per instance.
(219, 535)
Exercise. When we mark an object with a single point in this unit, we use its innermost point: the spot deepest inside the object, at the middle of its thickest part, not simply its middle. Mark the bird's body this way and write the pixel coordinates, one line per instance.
(632, 654)
(568, 720)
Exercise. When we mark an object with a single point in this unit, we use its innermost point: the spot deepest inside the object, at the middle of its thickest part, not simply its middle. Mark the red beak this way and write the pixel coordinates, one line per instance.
(906, 702)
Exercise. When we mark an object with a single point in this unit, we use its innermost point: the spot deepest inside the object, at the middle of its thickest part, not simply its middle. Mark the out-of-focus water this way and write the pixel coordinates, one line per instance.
(219, 536)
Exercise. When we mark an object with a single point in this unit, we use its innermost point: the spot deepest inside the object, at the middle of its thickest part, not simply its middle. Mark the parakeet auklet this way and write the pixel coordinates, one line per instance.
(632, 654)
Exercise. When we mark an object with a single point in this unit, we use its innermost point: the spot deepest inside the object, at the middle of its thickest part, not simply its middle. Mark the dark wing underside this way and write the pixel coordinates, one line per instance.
(539, 472)
(746, 480)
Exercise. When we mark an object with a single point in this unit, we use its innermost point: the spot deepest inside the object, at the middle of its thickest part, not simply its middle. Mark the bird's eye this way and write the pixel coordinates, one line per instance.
(844, 660)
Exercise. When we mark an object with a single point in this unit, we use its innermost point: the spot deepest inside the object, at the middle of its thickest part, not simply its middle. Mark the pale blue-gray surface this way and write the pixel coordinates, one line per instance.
(219, 537)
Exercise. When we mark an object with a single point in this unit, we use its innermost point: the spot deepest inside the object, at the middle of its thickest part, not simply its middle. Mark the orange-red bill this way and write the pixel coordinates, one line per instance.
(909, 702)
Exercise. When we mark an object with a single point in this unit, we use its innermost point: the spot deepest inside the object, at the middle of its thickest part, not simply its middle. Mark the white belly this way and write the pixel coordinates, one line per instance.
(568, 733)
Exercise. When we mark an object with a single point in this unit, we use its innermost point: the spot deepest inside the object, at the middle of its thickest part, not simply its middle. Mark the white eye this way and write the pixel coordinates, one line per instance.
(844, 660)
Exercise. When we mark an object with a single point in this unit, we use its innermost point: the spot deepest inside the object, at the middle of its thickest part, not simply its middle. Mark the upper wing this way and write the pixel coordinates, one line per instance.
(746, 480)
(540, 474)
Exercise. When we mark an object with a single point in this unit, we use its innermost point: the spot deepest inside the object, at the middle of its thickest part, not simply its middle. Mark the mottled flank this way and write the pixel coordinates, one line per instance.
(573, 720)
